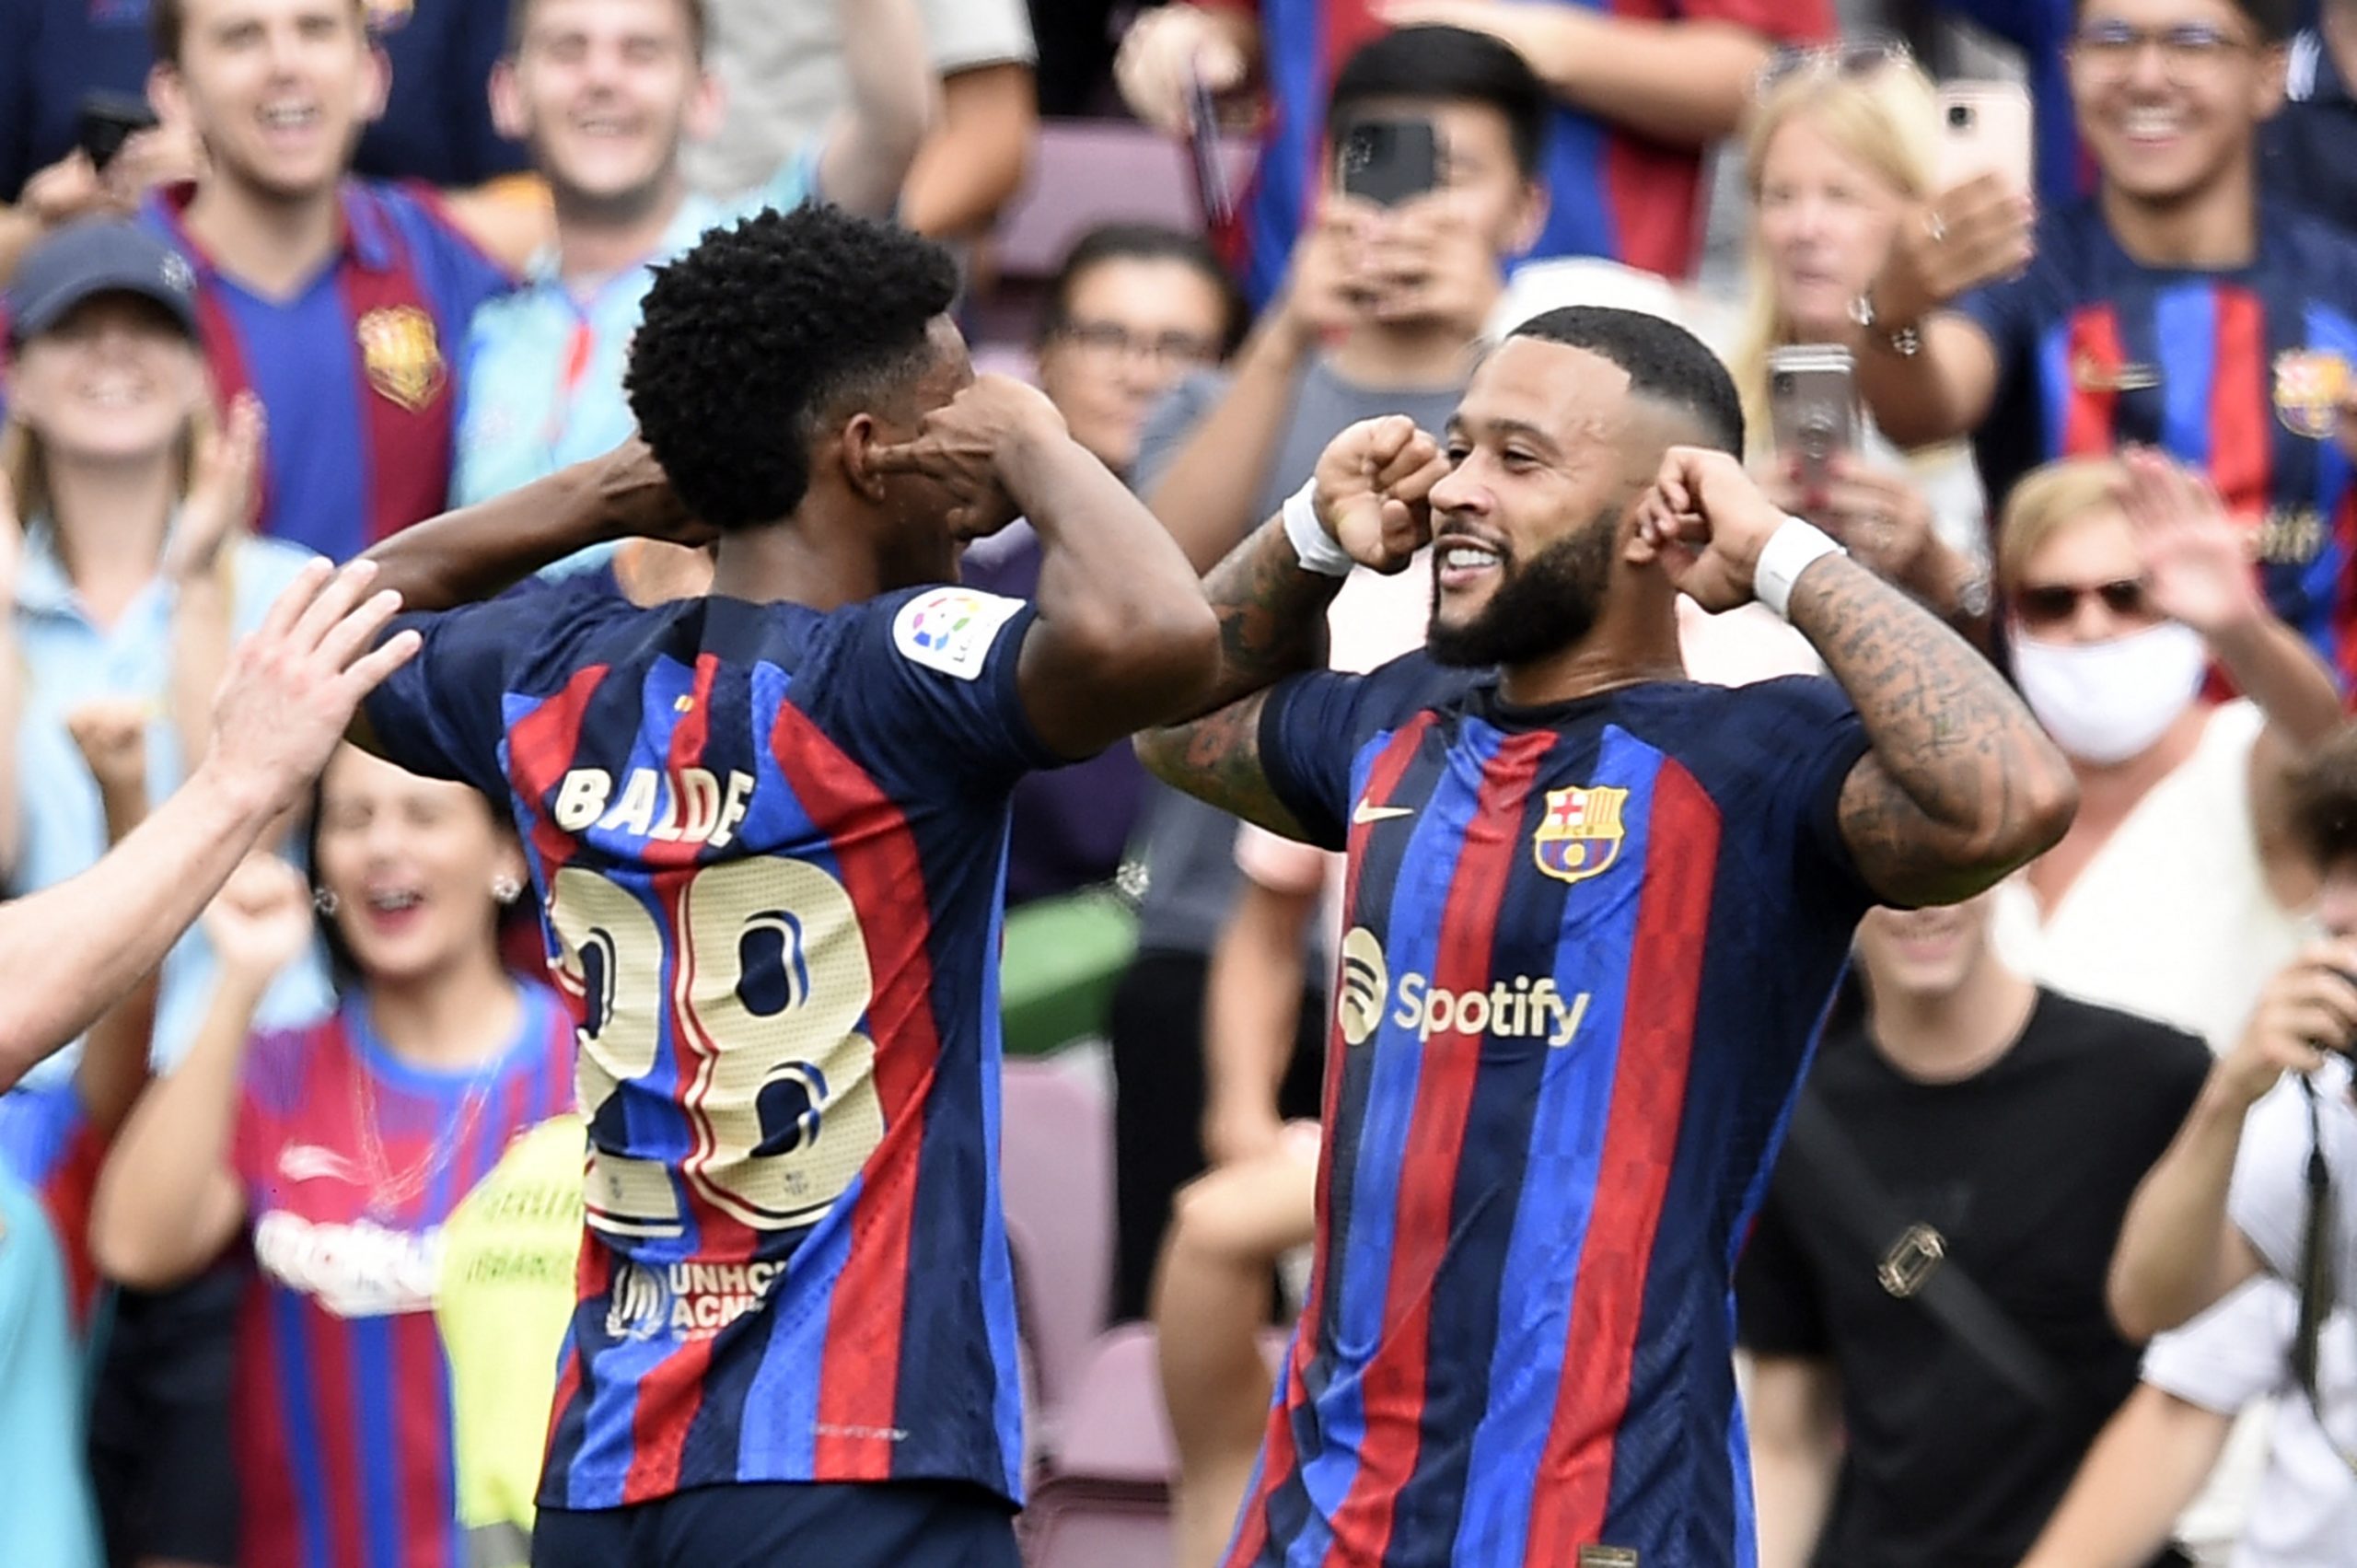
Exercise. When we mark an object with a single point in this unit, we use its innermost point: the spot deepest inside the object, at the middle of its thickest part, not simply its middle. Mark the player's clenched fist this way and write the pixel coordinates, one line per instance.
(1373, 486)
(1706, 521)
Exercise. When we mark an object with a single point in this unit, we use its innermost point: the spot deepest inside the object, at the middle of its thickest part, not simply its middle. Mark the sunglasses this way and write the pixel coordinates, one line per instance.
(1861, 55)
(2051, 604)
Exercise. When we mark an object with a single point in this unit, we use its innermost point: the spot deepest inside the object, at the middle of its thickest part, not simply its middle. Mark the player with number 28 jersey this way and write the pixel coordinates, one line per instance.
(769, 842)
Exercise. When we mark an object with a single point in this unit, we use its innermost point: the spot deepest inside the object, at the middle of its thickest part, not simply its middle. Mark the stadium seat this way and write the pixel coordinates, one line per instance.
(1105, 1502)
(1056, 1172)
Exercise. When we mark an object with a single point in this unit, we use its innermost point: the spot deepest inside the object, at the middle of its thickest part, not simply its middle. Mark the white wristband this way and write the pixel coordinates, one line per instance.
(1312, 545)
(1790, 550)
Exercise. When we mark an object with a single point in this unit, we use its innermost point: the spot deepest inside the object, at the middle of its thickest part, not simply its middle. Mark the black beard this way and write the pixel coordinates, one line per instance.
(1540, 607)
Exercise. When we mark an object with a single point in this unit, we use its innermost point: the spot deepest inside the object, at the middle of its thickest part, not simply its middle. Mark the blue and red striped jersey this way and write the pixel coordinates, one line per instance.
(2239, 372)
(47, 1142)
(1588, 949)
(1612, 191)
(350, 1161)
(770, 843)
(352, 368)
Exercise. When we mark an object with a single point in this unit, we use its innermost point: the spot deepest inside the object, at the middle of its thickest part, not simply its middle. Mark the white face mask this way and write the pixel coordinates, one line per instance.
(2103, 702)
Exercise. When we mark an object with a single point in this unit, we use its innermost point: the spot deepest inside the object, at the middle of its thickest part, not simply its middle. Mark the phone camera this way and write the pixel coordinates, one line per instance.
(1959, 117)
(1781, 384)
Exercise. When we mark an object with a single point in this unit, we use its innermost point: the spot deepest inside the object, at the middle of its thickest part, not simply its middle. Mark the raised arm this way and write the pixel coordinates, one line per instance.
(75, 947)
(875, 136)
(1683, 82)
(477, 551)
(1123, 638)
(1367, 502)
(111, 735)
(1972, 235)
(167, 1201)
(1960, 785)
(2178, 1251)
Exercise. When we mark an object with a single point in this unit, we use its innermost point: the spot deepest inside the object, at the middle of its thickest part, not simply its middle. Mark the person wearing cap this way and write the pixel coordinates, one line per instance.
(127, 565)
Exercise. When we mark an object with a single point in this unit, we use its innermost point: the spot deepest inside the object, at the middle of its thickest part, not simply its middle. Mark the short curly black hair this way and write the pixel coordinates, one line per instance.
(761, 329)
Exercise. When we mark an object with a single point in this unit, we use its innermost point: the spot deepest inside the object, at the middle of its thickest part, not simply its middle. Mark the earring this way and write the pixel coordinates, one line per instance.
(505, 888)
(324, 901)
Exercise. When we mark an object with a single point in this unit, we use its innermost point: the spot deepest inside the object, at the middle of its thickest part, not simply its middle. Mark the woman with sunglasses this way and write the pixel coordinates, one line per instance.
(334, 1155)
(2128, 593)
(1838, 148)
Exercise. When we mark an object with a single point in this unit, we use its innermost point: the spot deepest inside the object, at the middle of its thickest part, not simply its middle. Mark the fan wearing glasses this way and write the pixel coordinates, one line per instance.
(2253, 1211)
(2176, 890)
(2176, 307)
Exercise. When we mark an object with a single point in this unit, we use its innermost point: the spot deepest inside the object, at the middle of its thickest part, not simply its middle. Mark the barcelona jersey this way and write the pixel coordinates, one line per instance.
(1588, 950)
(2237, 372)
(350, 1160)
(768, 843)
(1612, 193)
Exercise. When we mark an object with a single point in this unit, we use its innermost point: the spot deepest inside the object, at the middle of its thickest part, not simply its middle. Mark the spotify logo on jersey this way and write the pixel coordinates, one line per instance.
(1366, 986)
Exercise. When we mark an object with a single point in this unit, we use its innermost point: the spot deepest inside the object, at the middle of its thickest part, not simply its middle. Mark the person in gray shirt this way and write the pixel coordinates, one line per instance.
(1380, 317)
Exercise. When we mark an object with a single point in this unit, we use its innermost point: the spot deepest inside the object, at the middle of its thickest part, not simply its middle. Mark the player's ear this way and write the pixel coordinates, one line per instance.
(854, 445)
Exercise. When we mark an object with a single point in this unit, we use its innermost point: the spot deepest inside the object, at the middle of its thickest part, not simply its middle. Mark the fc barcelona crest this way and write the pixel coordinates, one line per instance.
(1580, 835)
(2309, 386)
(403, 356)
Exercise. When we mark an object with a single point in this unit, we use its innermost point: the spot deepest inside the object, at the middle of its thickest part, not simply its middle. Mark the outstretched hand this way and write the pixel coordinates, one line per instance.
(1706, 520)
(1374, 491)
(293, 685)
(2197, 568)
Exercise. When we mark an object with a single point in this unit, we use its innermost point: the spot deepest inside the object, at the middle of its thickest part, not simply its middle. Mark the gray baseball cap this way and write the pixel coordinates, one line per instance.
(97, 256)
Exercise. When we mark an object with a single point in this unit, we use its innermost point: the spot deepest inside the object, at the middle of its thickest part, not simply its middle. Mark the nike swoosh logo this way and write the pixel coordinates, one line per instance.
(1368, 813)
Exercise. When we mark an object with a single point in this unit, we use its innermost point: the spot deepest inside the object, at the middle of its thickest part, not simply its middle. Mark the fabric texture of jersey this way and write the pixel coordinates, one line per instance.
(351, 1161)
(2237, 372)
(770, 843)
(1589, 947)
(1611, 192)
(353, 367)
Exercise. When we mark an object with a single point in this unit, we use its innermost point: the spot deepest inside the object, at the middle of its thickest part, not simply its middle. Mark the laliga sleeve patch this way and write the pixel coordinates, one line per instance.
(951, 630)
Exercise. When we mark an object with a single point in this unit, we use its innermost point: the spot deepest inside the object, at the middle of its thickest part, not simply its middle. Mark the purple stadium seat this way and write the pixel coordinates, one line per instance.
(1105, 1502)
(1056, 1172)
(1086, 172)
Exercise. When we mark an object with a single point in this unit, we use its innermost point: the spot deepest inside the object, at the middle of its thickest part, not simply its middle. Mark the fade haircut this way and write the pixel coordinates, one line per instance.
(1436, 64)
(1665, 362)
(763, 332)
(1144, 242)
(519, 17)
(2324, 802)
(168, 27)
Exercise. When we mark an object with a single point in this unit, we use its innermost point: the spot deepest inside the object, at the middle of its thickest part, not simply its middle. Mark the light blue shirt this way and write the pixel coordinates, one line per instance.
(541, 382)
(70, 661)
(47, 1514)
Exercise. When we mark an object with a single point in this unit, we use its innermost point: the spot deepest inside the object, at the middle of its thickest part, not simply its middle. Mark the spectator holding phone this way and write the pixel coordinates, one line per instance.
(1638, 92)
(1839, 146)
(1380, 316)
(2176, 307)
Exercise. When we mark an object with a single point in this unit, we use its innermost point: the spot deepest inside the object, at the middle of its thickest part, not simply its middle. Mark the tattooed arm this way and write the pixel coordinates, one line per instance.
(1961, 786)
(1369, 494)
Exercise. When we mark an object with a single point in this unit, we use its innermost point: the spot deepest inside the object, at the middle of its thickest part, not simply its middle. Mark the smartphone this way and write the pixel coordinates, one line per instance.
(107, 120)
(1813, 406)
(1985, 129)
(1211, 189)
(1388, 162)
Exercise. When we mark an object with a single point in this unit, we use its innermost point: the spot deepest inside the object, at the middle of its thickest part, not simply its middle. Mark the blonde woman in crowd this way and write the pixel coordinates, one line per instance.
(1838, 148)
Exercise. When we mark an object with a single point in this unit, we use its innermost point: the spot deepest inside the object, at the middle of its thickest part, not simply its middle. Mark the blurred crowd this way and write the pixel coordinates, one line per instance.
(2047, 309)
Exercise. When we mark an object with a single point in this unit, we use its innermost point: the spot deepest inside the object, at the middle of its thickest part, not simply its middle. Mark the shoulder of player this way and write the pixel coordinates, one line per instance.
(943, 629)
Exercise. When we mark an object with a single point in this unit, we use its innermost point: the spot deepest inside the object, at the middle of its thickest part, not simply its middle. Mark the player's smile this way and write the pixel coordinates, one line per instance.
(1464, 560)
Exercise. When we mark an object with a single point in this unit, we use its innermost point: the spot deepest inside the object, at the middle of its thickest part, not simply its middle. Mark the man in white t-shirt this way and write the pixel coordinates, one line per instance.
(2196, 1379)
